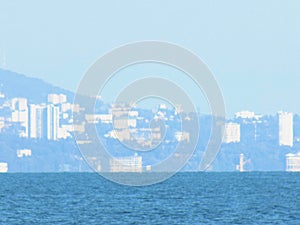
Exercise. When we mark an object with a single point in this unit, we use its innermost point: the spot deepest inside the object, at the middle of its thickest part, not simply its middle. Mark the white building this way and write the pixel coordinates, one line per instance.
(293, 162)
(19, 104)
(232, 133)
(65, 131)
(22, 118)
(65, 107)
(286, 131)
(124, 123)
(20, 114)
(95, 118)
(131, 164)
(52, 122)
(24, 153)
(57, 98)
(37, 121)
(245, 115)
(182, 136)
(3, 167)
(2, 123)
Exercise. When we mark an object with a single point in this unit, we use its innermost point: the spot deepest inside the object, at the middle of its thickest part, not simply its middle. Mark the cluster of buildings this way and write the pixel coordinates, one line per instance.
(285, 128)
(51, 120)
(129, 125)
(135, 130)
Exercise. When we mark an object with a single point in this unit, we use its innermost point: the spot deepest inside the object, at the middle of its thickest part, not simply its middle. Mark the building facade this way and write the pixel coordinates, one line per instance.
(232, 133)
(37, 115)
(52, 122)
(293, 162)
(131, 164)
(286, 134)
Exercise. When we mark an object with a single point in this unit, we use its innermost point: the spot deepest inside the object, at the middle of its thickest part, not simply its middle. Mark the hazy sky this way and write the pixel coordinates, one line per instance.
(252, 47)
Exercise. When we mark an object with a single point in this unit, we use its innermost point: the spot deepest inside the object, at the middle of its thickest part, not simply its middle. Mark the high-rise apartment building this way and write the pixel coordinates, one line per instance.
(286, 131)
(52, 122)
(37, 115)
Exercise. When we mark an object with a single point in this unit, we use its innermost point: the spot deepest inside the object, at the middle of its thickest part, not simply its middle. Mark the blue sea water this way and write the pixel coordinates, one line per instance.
(186, 198)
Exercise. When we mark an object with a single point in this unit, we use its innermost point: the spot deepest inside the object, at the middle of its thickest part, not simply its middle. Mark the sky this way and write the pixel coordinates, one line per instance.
(252, 47)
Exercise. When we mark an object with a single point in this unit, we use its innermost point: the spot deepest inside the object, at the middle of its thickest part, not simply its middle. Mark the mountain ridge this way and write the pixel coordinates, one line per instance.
(36, 90)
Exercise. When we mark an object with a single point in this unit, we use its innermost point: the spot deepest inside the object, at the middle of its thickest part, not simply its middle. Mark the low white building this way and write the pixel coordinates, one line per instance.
(131, 164)
(247, 115)
(95, 118)
(293, 162)
(182, 136)
(3, 167)
(57, 98)
(24, 153)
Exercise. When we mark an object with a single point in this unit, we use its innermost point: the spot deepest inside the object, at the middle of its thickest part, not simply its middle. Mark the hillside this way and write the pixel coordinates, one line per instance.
(35, 90)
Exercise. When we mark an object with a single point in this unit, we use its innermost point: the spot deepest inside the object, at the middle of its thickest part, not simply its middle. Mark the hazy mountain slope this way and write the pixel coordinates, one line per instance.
(35, 90)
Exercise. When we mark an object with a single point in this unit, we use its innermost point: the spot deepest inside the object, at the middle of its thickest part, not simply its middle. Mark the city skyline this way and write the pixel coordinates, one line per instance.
(149, 112)
(51, 120)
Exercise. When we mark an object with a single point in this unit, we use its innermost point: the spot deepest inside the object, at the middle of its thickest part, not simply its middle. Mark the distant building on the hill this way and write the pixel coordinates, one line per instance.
(44, 122)
(52, 122)
(20, 114)
(286, 132)
(245, 115)
(24, 153)
(37, 114)
(2, 123)
(182, 136)
(57, 99)
(293, 162)
(232, 133)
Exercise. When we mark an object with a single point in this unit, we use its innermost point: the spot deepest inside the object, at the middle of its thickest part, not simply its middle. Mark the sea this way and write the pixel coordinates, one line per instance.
(185, 198)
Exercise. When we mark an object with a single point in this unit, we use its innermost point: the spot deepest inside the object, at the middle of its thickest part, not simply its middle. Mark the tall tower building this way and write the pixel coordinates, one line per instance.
(37, 114)
(286, 131)
(52, 122)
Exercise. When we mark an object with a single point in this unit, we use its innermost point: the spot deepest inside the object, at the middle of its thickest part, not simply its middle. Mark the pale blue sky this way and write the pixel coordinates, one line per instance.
(252, 47)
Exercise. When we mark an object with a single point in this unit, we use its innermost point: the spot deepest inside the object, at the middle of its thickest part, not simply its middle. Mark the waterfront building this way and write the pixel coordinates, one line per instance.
(3, 167)
(293, 162)
(131, 164)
